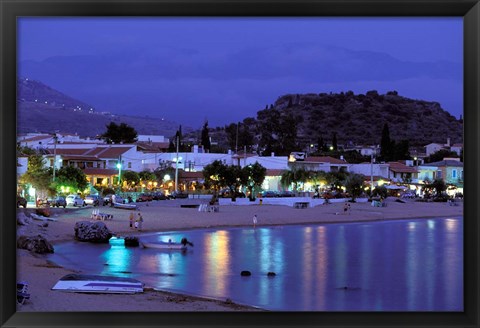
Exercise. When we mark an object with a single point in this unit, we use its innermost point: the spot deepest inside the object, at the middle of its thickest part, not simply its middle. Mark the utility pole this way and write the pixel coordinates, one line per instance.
(371, 174)
(54, 153)
(176, 167)
(236, 141)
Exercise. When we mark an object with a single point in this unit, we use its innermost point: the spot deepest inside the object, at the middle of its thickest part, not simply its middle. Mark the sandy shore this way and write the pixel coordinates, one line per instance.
(167, 216)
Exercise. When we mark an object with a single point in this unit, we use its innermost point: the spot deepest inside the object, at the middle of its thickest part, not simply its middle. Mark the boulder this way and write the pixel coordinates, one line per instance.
(245, 273)
(36, 244)
(94, 232)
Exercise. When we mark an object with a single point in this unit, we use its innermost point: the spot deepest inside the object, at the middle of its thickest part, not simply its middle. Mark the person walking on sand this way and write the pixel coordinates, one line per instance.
(139, 221)
(254, 220)
(345, 208)
(131, 218)
(349, 209)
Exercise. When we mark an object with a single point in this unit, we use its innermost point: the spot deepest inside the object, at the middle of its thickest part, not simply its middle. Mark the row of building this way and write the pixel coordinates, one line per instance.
(100, 162)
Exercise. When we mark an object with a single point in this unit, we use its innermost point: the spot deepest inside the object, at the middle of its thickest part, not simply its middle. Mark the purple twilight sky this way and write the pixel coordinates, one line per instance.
(225, 69)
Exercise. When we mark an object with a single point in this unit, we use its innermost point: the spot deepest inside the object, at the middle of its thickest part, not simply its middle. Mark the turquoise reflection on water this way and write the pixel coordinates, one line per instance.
(407, 265)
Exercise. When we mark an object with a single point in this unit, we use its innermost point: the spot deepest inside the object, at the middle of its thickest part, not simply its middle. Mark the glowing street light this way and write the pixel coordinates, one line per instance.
(119, 167)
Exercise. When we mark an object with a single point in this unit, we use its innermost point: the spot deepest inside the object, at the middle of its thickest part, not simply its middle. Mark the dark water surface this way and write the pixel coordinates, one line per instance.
(407, 265)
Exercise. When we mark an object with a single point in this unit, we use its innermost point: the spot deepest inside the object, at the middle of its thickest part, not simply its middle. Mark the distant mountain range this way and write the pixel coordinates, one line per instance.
(44, 110)
(355, 119)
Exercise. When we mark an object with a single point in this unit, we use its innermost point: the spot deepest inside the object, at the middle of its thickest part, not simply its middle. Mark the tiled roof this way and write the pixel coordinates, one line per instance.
(152, 146)
(37, 138)
(401, 168)
(446, 163)
(108, 152)
(324, 159)
(68, 151)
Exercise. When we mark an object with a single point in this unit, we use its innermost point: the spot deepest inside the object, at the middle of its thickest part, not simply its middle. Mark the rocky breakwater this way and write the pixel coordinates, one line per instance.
(94, 232)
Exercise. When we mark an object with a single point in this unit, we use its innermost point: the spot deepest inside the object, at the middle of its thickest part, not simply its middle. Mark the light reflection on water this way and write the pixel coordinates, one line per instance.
(414, 265)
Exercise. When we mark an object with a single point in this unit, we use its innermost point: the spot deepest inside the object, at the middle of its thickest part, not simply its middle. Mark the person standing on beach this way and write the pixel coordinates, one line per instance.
(349, 209)
(254, 220)
(345, 208)
(140, 221)
(131, 218)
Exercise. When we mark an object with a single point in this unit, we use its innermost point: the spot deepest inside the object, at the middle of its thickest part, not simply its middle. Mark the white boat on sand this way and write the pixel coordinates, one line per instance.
(82, 283)
(125, 206)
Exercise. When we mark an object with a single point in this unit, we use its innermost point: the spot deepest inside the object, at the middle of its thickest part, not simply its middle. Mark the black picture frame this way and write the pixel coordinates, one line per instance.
(10, 10)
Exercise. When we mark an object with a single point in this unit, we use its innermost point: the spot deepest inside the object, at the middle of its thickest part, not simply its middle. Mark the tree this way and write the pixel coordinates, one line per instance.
(146, 177)
(205, 138)
(213, 174)
(72, 177)
(38, 175)
(294, 176)
(386, 144)
(334, 141)
(255, 174)
(131, 178)
(122, 133)
(354, 184)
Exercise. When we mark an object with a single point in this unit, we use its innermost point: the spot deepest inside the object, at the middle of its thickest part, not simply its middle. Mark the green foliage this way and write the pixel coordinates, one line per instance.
(278, 131)
(205, 137)
(117, 134)
(219, 175)
(131, 177)
(147, 176)
(72, 177)
(380, 191)
(255, 176)
(294, 176)
(354, 184)
(37, 174)
(386, 151)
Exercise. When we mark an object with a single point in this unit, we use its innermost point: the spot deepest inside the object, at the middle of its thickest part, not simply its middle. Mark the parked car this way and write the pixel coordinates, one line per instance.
(107, 199)
(144, 198)
(21, 201)
(93, 200)
(75, 200)
(286, 193)
(269, 193)
(59, 201)
(158, 195)
(226, 193)
(177, 194)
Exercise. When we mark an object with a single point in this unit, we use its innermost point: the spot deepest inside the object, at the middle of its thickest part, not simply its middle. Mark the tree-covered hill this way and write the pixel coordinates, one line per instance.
(295, 121)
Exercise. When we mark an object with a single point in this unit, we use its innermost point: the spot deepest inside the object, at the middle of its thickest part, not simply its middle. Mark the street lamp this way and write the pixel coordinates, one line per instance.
(119, 167)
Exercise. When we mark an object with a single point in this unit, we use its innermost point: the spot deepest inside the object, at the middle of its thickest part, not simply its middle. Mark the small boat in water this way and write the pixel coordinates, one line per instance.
(182, 245)
(82, 283)
(125, 206)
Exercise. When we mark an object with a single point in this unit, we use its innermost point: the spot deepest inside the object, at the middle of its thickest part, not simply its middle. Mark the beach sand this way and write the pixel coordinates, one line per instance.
(169, 216)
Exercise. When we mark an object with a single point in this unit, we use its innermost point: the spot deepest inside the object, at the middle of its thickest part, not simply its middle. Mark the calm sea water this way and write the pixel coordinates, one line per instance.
(407, 265)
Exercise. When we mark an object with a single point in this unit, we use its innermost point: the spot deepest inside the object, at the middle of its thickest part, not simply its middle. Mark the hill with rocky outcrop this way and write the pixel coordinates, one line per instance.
(355, 119)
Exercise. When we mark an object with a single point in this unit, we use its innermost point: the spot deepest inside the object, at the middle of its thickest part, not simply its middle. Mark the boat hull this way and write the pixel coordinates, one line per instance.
(125, 206)
(79, 283)
(166, 246)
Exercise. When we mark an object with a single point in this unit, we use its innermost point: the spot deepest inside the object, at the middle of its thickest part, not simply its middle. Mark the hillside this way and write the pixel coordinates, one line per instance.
(43, 109)
(356, 120)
